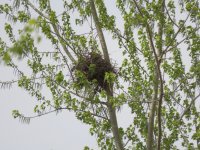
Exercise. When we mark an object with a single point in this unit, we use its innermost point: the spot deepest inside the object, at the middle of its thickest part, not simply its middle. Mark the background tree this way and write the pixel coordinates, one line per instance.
(158, 80)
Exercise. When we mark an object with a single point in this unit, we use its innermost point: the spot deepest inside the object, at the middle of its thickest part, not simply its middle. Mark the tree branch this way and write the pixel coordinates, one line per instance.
(158, 73)
(176, 34)
(27, 119)
(99, 31)
(55, 29)
(188, 108)
(170, 17)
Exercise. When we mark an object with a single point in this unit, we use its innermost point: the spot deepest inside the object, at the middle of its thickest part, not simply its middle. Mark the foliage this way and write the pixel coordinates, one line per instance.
(159, 76)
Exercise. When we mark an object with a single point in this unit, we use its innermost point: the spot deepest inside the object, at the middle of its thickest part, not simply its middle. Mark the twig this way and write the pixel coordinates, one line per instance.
(170, 17)
(56, 110)
(55, 29)
(188, 108)
(176, 34)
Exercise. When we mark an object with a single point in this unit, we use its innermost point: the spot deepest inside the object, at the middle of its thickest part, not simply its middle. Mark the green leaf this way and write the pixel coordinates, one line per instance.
(59, 77)
(6, 57)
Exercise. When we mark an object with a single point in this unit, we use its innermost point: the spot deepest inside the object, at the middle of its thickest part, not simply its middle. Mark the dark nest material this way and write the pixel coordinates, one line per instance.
(94, 67)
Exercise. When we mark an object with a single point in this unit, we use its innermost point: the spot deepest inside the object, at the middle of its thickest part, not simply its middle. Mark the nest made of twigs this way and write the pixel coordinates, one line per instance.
(94, 67)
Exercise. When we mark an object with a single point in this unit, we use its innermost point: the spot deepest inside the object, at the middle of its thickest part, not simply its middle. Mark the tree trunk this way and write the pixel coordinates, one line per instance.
(114, 125)
(150, 138)
(111, 109)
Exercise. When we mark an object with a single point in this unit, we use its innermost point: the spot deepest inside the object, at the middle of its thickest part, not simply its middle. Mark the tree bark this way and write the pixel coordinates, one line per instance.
(114, 125)
(150, 138)
(99, 31)
(160, 47)
(111, 109)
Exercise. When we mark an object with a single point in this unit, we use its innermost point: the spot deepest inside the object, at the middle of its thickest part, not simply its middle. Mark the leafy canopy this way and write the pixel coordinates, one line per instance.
(158, 78)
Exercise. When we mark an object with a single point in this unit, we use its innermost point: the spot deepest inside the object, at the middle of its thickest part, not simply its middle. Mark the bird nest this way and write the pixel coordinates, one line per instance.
(94, 68)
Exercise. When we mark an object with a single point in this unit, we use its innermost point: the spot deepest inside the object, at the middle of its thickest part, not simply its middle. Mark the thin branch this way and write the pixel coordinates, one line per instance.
(178, 43)
(65, 60)
(16, 69)
(127, 142)
(190, 105)
(176, 101)
(43, 114)
(8, 84)
(56, 110)
(78, 95)
(55, 29)
(148, 29)
(139, 65)
(176, 34)
(170, 17)
(104, 111)
(46, 52)
(37, 10)
(120, 35)
(158, 75)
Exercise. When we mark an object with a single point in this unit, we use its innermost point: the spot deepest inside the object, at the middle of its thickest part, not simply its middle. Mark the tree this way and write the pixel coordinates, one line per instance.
(159, 78)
